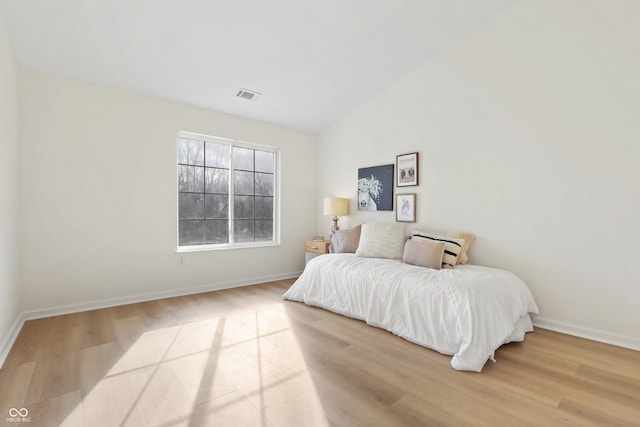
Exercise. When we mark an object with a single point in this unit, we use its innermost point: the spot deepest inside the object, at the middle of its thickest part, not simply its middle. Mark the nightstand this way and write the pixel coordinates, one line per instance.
(313, 248)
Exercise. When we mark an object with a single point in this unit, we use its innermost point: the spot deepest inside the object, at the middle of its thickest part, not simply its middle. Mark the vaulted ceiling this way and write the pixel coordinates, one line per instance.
(311, 61)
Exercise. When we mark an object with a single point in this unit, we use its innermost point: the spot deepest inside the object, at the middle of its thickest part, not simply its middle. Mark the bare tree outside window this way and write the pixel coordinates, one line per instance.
(226, 192)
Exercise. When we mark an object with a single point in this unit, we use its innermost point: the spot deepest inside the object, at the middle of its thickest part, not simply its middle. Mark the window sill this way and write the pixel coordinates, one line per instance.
(225, 247)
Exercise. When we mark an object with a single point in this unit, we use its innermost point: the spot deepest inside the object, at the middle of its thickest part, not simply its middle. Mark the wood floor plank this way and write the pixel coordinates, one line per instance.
(14, 386)
(244, 356)
(54, 376)
(228, 410)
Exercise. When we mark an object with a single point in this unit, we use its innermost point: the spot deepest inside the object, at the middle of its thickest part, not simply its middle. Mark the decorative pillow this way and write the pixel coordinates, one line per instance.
(452, 246)
(463, 258)
(382, 240)
(345, 241)
(423, 253)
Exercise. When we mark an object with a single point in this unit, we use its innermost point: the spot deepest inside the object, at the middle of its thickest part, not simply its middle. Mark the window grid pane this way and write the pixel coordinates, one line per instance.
(190, 152)
(216, 180)
(244, 207)
(191, 232)
(216, 206)
(264, 184)
(244, 182)
(243, 159)
(264, 230)
(190, 179)
(216, 155)
(216, 231)
(191, 206)
(243, 230)
(264, 207)
(265, 161)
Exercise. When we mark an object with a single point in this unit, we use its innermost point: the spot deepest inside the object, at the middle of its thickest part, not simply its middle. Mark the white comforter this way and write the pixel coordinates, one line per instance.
(467, 312)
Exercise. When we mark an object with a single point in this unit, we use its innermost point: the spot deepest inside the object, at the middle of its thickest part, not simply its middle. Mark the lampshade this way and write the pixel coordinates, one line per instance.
(336, 206)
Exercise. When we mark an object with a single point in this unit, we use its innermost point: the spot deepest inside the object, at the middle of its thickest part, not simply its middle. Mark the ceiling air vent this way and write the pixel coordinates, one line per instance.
(249, 95)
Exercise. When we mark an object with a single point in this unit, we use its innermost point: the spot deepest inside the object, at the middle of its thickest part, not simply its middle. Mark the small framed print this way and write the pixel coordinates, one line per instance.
(406, 207)
(407, 170)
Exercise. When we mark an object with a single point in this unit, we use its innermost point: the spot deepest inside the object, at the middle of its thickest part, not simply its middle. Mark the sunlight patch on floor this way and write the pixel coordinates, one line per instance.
(242, 369)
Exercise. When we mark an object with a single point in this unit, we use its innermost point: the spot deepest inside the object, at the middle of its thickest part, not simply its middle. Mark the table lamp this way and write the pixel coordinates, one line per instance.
(337, 207)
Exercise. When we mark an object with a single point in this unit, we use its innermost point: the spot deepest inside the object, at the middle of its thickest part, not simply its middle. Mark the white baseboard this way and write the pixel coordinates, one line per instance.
(7, 343)
(632, 343)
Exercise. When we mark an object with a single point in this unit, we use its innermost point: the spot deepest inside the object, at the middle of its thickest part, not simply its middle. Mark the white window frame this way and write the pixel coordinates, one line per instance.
(276, 197)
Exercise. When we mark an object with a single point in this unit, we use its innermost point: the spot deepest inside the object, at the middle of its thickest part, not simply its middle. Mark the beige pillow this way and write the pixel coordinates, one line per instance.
(382, 240)
(463, 258)
(423, 253)
(452, 246)
(345, 241)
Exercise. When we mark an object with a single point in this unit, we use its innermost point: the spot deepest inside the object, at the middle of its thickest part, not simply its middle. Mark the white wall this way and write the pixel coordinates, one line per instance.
(98, 196)
(9, 290)
(528, 135)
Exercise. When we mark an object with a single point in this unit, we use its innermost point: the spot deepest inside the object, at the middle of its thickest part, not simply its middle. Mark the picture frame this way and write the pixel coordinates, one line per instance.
(406, 207)
(407, 170)
(375, 188)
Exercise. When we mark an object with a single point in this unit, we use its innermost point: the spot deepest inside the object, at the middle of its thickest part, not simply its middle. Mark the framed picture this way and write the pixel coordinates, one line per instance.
(406, 207)
(375, 188)
(407, 170)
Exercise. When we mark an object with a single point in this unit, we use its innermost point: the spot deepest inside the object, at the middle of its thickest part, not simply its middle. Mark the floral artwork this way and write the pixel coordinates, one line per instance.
(369, 190)
(375, 188)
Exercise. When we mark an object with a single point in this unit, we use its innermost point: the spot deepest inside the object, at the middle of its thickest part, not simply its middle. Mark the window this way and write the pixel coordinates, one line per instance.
(227, 193)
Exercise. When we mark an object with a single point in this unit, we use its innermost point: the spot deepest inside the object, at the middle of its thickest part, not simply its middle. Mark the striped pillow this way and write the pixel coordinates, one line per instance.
(452, 246)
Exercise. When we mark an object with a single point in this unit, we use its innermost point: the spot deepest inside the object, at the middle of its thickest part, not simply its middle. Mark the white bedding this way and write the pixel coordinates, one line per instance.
(467, 312)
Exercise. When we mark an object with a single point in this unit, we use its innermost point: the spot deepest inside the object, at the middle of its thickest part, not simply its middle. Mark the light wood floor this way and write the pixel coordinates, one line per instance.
(245, 357)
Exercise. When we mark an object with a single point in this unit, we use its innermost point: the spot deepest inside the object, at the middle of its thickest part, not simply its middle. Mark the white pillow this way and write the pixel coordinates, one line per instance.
(452, 246)
(382, 240)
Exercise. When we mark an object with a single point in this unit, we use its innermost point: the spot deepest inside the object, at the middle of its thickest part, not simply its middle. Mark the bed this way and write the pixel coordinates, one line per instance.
(467, 312)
